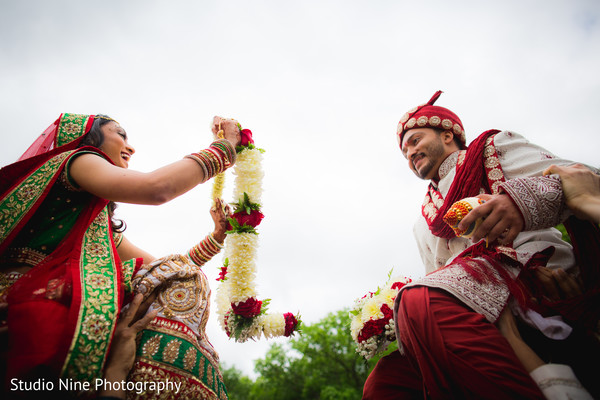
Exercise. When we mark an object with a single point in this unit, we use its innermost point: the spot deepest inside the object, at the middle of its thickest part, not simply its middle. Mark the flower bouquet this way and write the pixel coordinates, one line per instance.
(372, 320)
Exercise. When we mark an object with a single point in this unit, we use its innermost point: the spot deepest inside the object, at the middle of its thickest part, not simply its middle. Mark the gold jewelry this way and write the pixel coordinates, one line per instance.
(106, 118)
(117, 238)
(221, 132)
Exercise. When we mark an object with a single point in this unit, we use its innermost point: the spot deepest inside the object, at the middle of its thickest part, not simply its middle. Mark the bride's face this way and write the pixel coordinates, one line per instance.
(115, 144)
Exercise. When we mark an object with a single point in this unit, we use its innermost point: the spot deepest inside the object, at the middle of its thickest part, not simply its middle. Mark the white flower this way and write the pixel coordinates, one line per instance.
(371, 310)
(388, 296)
(273, 325)
(356, 326)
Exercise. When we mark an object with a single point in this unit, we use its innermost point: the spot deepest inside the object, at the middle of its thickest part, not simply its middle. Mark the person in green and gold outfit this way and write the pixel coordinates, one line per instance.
(67, 271)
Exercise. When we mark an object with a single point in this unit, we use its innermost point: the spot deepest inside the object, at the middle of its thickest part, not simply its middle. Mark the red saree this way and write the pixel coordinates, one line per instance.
(62, 312)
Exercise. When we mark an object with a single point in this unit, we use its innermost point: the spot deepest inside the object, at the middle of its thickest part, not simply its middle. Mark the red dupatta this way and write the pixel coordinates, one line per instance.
(62, 313)
(470, 178)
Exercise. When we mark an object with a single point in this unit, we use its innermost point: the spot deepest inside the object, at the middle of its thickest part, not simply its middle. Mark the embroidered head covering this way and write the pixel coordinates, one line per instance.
(66, 129)
(429, 116)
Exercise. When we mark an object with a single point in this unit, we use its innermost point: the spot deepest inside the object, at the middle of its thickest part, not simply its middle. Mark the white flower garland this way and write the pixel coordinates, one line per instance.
(239, 272)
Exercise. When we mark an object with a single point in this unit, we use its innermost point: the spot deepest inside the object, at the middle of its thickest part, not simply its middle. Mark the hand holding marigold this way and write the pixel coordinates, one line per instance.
(458, 211)
(501, 219)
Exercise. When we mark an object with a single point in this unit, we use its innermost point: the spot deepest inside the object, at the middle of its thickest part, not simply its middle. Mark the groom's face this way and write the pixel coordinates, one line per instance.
(424, 150)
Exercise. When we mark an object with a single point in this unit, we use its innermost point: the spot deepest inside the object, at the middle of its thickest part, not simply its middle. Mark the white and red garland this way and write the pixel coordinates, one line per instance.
(240, 313)
(372, 319)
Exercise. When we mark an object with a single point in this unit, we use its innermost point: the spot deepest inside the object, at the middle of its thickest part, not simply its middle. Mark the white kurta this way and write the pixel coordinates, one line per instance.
(518, 159)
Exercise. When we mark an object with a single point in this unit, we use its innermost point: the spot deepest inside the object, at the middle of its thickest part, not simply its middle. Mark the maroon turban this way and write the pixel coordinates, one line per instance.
(429, 116)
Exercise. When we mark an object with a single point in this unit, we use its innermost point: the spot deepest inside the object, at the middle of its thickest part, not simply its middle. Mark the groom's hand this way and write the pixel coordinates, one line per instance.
(502, 219)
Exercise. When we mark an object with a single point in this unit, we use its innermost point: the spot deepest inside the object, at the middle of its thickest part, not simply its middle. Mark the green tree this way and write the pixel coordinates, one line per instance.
(238, 385)
(565, 234)
(322, 363)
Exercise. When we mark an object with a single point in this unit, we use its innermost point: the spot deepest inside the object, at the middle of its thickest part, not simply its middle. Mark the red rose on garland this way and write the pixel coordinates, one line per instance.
(290, 323)
(246, 138)
(247, 309)
(253, 219)
(246, 216)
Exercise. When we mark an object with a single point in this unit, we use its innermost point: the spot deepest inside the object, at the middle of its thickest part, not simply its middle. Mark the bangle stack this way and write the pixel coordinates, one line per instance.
(201, 253)
(216, 159)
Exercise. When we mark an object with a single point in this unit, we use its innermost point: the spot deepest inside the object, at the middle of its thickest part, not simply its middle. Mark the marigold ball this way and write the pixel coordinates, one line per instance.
(458, 211)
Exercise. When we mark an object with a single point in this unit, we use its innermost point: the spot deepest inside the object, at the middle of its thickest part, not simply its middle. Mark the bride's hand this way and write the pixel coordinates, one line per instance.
(219, 213)
(230, 127)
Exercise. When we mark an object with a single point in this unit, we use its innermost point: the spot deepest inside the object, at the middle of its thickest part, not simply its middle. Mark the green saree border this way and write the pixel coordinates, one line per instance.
(127, 270)
(70, 127)
(16, 204)
(179, 354)
(99, 303)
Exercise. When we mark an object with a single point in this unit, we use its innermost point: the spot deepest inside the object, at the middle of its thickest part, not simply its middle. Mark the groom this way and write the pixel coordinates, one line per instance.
(445, 321)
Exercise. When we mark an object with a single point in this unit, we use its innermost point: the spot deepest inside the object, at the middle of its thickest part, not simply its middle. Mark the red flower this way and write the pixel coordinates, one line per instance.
(222, 274)
(249, 308)
(371, 328)
(246, 137)
(253, 219)
(387, 313)
(376, 327)
(400, 285)
(290, 323)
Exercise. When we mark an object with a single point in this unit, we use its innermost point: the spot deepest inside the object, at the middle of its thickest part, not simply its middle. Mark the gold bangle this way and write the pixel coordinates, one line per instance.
(117, 238)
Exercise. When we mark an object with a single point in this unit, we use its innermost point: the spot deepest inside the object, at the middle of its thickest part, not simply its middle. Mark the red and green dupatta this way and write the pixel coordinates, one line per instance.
(62, 313)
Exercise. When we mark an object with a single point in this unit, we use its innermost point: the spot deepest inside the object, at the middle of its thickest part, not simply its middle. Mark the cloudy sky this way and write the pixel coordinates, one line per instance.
(322, 84)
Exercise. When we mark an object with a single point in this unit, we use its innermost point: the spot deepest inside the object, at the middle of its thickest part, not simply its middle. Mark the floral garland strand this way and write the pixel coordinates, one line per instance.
(241, 315)
(218, 185)
(372, 320)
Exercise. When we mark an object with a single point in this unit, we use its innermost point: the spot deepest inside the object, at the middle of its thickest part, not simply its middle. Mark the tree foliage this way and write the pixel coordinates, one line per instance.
(238, 385)
(563, 231)
(319, 364)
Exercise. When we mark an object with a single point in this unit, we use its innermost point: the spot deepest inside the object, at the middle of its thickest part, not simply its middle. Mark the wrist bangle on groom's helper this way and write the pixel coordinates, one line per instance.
(201, 253)
(216, 159)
